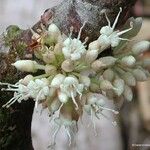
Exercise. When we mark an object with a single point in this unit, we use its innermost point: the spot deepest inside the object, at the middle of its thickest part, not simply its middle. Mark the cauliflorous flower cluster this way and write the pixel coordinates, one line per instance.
(75, 79)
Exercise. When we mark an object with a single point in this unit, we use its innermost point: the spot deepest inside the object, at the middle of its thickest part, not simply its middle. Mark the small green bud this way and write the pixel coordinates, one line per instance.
(105, 85)
(108, 75)
(119, 85)
(91, 55)
(97, 65)
(67, 65)
(139, 75)
(140, 47)
(108, 60)
(85, 80)
(94, 45)
(129, 79)
(128, 61)
(49, 57)
(128, 94)
(50, 69)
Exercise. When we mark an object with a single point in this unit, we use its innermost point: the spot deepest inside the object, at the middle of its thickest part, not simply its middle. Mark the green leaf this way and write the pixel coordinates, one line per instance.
(137, 23)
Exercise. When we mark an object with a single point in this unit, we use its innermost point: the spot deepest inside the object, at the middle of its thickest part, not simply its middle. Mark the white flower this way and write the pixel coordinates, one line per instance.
(57, 80)
(95, 106)
(70, 87)
(38, 90)
(21, 92)
(74, 48)
(108, 36)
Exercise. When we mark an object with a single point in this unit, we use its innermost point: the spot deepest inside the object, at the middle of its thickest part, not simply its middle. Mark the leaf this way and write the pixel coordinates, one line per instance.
(137, 23)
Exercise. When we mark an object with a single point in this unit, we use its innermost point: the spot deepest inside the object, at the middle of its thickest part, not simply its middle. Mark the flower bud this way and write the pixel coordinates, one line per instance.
(49, 57)
(67, 65)
(91, 55)
(108, 75)
(26, 65)
(49, 69)
(119, 85)
(91, 99)
(108, 60)
(39, 51)
(63, 98)
(58, 48)
(128, 94)
(94, 87)
(97, 65)
(129, 79)
(26, 79)
(140, 47)
(139, 75)
(94, 45)
(105, 85)
(54, 31)
(128, 61)
(85, 80)
(57, 80)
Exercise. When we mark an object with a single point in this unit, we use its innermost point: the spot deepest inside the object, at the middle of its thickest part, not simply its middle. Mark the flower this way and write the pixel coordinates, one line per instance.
(108, 36)
(21, 92)
(57, 80)
(74, 48)
(95, 105)
(38, 90)
(70, 88)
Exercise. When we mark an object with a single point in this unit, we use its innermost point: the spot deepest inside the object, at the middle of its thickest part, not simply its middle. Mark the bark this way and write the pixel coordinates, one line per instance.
(15, 123)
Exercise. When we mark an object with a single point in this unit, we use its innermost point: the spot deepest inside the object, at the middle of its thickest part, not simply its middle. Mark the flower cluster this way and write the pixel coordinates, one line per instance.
(75, 78)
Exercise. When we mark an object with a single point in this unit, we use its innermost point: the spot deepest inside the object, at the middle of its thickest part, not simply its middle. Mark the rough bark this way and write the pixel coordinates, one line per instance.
(15, 123)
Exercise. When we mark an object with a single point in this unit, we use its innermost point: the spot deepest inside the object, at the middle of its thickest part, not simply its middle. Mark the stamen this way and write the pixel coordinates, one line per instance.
(114, 123)
(124, 31)
(74, 101)
(109, 24)
(69, 135)
(9, 89)
(55, 134)
(11, 101)
(71, 31)
(52, 146)
(8, 84)
(104, 108)
(77, 91)
(85, 41)
(37, 99)
(79, 35)
(60, 108)
(93, 122)
(116, 20)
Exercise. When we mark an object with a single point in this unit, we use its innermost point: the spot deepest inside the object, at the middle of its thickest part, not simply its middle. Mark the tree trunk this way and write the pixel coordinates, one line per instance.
(15, 122)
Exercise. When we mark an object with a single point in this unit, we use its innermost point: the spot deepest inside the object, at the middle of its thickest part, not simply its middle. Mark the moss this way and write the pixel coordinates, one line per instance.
(20, 48)
(12, 33)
